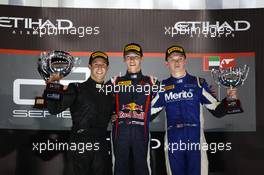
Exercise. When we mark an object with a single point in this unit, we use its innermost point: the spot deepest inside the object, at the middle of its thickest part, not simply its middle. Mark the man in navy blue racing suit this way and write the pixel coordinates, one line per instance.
(183, 98)
(130, 131)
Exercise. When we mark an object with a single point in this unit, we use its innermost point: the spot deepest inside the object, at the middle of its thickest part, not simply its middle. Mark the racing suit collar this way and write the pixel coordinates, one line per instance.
(94, 83)
(137, 75)
(180, 79)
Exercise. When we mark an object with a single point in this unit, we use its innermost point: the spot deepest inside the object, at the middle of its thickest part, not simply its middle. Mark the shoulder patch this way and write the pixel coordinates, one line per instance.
(125, 83)
(169, 87)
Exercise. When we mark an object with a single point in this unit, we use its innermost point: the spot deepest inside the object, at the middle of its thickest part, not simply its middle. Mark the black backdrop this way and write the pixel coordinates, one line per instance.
(148, 28)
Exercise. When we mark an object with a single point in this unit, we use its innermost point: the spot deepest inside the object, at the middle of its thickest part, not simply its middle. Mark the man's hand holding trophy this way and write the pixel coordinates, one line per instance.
(53, 66)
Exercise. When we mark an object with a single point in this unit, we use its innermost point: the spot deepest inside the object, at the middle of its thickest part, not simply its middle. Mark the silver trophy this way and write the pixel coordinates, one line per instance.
(231, 78)
(54, 62)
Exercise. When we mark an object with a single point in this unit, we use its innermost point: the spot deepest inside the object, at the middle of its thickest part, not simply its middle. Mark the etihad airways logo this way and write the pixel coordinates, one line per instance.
(183, 95)
(208, 29)
(41, 27)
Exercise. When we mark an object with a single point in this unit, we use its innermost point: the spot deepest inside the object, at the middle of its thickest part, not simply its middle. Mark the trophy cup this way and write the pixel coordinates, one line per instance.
(231, 78)
(53, 62)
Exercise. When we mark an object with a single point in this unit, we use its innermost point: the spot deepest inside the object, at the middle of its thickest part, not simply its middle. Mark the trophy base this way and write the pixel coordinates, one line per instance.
(233, 106)
(53, 91)
(40, 103)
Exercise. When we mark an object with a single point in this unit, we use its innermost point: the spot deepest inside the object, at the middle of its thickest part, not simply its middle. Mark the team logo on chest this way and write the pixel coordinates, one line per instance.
(183, 95)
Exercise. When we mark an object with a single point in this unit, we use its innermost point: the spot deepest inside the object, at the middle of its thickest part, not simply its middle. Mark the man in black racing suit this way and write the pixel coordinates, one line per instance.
(91, 111)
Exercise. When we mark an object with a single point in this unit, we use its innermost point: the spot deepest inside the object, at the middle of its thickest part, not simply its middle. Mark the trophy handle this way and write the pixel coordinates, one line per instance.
(239, 79)
(42, 65)
(245, 73)
(76, 62)
(215, 75)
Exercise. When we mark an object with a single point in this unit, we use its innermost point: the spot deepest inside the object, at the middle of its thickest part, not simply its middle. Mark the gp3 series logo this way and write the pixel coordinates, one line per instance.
(183, 95)
(206, 29)
(27, 112)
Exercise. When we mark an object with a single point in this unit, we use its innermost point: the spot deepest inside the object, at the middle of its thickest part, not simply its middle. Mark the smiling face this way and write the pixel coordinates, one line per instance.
(176, 64)
(98, 69)
(133, 62)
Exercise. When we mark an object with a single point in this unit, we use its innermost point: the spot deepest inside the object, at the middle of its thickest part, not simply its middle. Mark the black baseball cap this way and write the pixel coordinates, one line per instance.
(98, 54)
(133, 47)
(174, 49)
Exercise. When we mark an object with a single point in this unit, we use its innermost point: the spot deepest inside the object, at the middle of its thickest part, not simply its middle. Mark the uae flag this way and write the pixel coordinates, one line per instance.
(211, 62)
(216, 62)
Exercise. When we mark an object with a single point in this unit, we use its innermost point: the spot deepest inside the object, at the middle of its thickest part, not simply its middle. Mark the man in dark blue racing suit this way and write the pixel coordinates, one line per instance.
(183, 99)
(130, 131)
